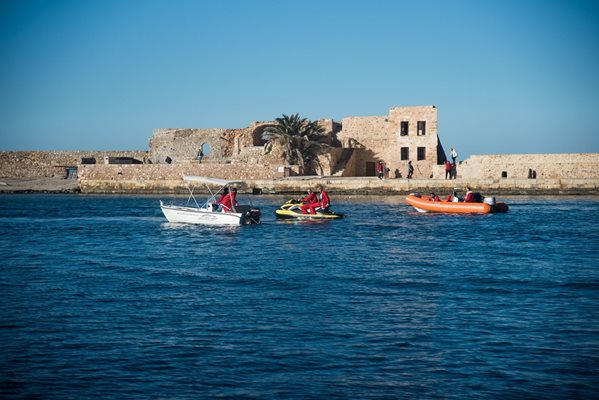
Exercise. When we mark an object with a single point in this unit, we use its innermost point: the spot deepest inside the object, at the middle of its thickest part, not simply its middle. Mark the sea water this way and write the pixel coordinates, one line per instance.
(100, 297)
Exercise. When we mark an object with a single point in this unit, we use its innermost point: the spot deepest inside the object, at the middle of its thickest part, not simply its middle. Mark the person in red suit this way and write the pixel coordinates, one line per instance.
(222, 195)
(228, 201)
(323, 202)
(469, 195)
(310, 197)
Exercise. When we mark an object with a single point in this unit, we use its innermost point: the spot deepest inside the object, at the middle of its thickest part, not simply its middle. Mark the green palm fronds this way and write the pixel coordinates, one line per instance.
(301, 140)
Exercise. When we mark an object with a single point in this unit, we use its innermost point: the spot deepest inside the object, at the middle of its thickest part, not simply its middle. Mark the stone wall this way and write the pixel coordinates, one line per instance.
(519, 166)
(237, 146)
(183, 145)
(382, 139)
(35, 164)
(156, 178)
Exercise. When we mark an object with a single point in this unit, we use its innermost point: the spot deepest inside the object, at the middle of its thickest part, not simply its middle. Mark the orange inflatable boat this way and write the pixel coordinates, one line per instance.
(426, 204)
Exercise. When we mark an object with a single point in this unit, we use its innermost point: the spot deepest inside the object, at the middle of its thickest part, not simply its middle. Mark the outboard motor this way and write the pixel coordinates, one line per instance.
(490, 201)
(255, 215)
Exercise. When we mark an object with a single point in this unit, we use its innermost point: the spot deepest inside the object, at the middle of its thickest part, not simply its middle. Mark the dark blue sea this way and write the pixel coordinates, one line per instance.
(101, 298)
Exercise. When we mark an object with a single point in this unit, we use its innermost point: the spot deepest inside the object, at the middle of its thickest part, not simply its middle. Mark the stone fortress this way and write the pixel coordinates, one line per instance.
(357, 145)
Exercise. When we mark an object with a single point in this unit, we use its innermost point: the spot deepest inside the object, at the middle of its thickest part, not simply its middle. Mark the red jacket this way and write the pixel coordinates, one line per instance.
(324, 200)
(310, 198)
(228, 201)
(468, 197)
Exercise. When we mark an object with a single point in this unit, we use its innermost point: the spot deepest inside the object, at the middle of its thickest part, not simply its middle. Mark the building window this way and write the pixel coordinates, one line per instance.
(405, 153)
(421, 153)
(421, 128)
(404, 128)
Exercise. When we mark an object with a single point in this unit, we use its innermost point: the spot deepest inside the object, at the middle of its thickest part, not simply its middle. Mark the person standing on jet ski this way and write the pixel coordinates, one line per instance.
(323, 202)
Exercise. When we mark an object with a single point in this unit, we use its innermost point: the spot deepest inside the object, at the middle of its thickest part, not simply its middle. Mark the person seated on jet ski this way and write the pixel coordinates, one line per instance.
(310, 198)
(323, 202)
(227, 201)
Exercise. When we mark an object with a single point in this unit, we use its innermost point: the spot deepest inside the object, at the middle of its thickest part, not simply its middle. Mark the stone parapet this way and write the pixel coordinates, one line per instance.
(521, 166)
(35, 164)
(354, 186)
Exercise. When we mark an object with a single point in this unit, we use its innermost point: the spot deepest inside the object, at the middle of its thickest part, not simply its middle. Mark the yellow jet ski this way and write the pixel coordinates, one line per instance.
(291, 209)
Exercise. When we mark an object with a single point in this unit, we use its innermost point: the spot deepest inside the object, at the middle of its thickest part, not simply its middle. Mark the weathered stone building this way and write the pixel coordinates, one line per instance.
(358, 143)
(406, 134)
(242, 146)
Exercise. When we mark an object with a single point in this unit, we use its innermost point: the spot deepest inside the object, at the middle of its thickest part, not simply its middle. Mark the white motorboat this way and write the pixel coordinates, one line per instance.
(210, 213)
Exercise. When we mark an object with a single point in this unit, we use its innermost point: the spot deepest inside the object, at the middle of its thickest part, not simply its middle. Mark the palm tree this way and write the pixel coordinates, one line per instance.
(301, 140)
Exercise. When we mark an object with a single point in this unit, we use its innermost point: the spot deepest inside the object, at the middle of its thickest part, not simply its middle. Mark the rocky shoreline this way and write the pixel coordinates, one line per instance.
(338, 186)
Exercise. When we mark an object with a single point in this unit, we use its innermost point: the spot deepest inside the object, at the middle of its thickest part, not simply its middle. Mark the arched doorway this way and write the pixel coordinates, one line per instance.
(257, 135)
(206, 149)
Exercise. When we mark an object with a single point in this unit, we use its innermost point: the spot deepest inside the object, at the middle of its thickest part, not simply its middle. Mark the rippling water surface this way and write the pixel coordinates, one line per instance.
(100, 297)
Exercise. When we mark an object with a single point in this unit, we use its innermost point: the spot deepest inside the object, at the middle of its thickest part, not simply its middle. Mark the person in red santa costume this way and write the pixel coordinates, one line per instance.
(228, 201)
(310, 197)
(323, 202)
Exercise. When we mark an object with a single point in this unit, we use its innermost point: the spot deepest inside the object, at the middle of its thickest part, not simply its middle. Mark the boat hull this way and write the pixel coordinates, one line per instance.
(192, 215)
(425, 204)
(286, 214)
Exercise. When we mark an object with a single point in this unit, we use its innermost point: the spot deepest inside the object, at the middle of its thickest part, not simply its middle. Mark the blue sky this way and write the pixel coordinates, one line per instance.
(507, 76)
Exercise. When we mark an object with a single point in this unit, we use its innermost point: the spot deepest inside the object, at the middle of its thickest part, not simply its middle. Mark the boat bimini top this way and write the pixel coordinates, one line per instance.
(209, 181)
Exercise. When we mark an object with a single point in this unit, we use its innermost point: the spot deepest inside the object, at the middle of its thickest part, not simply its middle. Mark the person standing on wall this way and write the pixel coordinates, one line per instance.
(380, 170)
(454, 155)
(447, 170)
(410, 170)
(200, 155)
